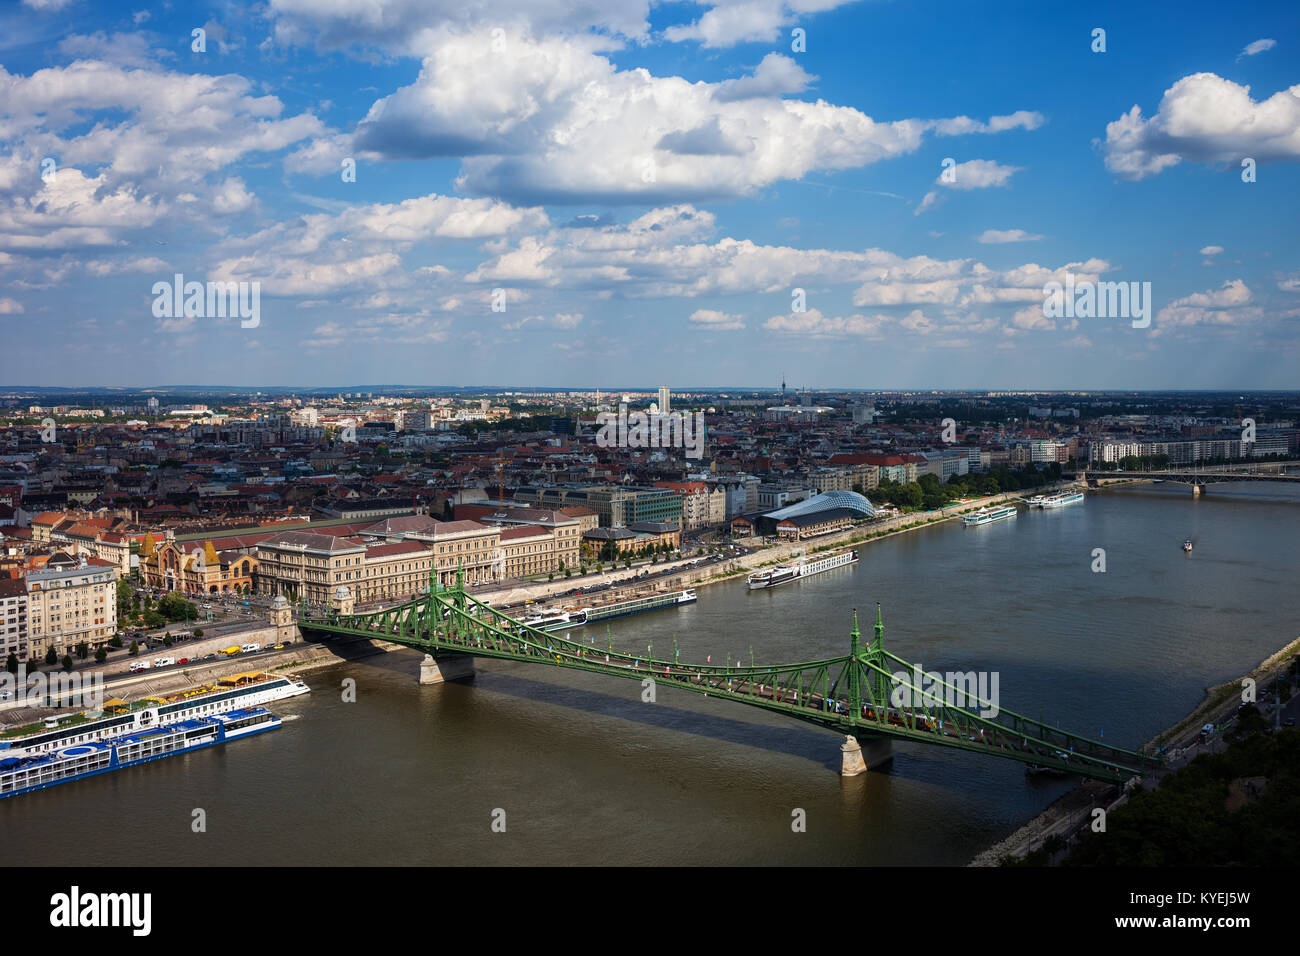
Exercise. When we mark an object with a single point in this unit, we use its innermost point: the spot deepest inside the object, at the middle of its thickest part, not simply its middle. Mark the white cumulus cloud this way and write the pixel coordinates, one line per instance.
(1204, 118)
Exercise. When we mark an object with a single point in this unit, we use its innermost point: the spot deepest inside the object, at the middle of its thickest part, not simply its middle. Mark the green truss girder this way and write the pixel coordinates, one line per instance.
(850, 695)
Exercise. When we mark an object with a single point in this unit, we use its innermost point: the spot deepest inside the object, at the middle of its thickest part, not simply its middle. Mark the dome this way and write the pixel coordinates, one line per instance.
(824, 502)
(342, 593)
(280, 601)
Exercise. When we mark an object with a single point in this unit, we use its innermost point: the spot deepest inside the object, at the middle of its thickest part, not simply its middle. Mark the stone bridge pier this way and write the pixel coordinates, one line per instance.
(856, 758)
(444, 669)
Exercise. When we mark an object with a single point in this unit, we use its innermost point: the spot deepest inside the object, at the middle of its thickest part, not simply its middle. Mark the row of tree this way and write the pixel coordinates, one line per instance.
(928, 493)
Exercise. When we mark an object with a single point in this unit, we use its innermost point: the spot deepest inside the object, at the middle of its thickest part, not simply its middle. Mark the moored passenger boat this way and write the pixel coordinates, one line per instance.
(1062, 499)
(802, 568)
(36, 771)
(989, 515)
(232, 692)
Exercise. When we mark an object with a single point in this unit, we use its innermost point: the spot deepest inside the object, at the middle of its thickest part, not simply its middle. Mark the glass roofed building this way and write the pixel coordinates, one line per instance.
(820, 514)
(826, 501)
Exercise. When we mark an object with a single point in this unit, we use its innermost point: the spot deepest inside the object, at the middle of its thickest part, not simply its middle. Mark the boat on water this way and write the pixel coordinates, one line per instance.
(802, 568)
(1036, 501)
(652, 602)
(36, 771)
(559, 619)
(233, 692)
(1062, 499)
(556, 620)
(989, 515)
(1187, 544)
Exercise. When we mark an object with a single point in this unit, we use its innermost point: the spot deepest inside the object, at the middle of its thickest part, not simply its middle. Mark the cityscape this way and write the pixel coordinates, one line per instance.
(653, 436)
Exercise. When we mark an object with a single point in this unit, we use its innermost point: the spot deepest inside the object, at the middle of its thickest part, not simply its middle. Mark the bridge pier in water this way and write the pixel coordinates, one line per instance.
(444, 669)
(856, 758)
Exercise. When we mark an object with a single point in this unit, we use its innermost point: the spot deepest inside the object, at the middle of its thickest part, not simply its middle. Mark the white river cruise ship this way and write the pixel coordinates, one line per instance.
(804, 567)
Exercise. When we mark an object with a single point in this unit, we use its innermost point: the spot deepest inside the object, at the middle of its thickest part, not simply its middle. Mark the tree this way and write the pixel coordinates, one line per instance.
(101, 655)
(198, 632)
(11, 663)
(167, 640)
(67, 662)
(83, 650)
(173, 607)
(116, 641)
(51, 657)
(124, 595)
(134, 649)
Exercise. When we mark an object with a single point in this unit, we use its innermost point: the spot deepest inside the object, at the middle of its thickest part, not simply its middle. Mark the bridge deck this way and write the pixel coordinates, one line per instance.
(856, 694)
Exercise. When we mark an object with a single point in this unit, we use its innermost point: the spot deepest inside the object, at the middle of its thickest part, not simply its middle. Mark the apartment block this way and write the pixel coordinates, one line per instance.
(68, 603)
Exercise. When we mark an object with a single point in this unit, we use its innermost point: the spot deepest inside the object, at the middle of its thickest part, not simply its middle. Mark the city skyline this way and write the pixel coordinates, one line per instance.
(700, 193)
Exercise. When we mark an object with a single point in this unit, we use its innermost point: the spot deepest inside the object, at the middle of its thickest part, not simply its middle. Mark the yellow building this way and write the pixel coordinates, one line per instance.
(194, 568)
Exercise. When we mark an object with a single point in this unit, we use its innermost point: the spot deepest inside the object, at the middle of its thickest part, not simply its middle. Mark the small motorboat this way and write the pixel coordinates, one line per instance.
(1187, 544)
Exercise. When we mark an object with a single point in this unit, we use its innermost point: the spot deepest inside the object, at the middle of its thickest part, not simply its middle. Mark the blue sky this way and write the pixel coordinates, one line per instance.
(647, 184)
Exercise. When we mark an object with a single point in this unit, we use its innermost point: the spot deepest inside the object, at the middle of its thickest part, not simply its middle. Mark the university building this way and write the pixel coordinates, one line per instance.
(560, 550)
(303, 565)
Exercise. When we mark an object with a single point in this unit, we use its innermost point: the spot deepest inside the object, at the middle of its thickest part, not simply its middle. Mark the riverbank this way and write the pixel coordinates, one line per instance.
(1067, 815)
(777, 553)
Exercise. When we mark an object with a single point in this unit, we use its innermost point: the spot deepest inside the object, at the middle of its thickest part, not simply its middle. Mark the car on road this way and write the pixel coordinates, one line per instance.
(1290, 721)
(208, 657)
(277, 647)
(183, 660)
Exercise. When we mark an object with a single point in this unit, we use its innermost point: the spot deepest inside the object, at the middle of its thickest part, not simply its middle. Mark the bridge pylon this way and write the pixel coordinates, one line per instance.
(868, 690)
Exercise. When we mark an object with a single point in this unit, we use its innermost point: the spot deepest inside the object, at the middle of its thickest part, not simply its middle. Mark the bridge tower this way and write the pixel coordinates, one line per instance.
(448, 666)
(858, 757)
(342, 602)
(286, 631)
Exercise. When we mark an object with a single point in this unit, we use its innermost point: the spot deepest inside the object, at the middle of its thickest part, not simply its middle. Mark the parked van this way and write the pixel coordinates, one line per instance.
(251, 647)
(163, 661)
(139, 666)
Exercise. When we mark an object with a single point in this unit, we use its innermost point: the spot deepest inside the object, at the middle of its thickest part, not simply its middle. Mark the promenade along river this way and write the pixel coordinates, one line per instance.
(586, 773)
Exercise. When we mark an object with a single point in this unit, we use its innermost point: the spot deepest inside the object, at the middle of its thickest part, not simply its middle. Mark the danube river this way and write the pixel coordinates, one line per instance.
(583, 772)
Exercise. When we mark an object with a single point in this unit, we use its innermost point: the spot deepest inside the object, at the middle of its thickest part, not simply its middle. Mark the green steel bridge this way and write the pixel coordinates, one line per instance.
(850, 694)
